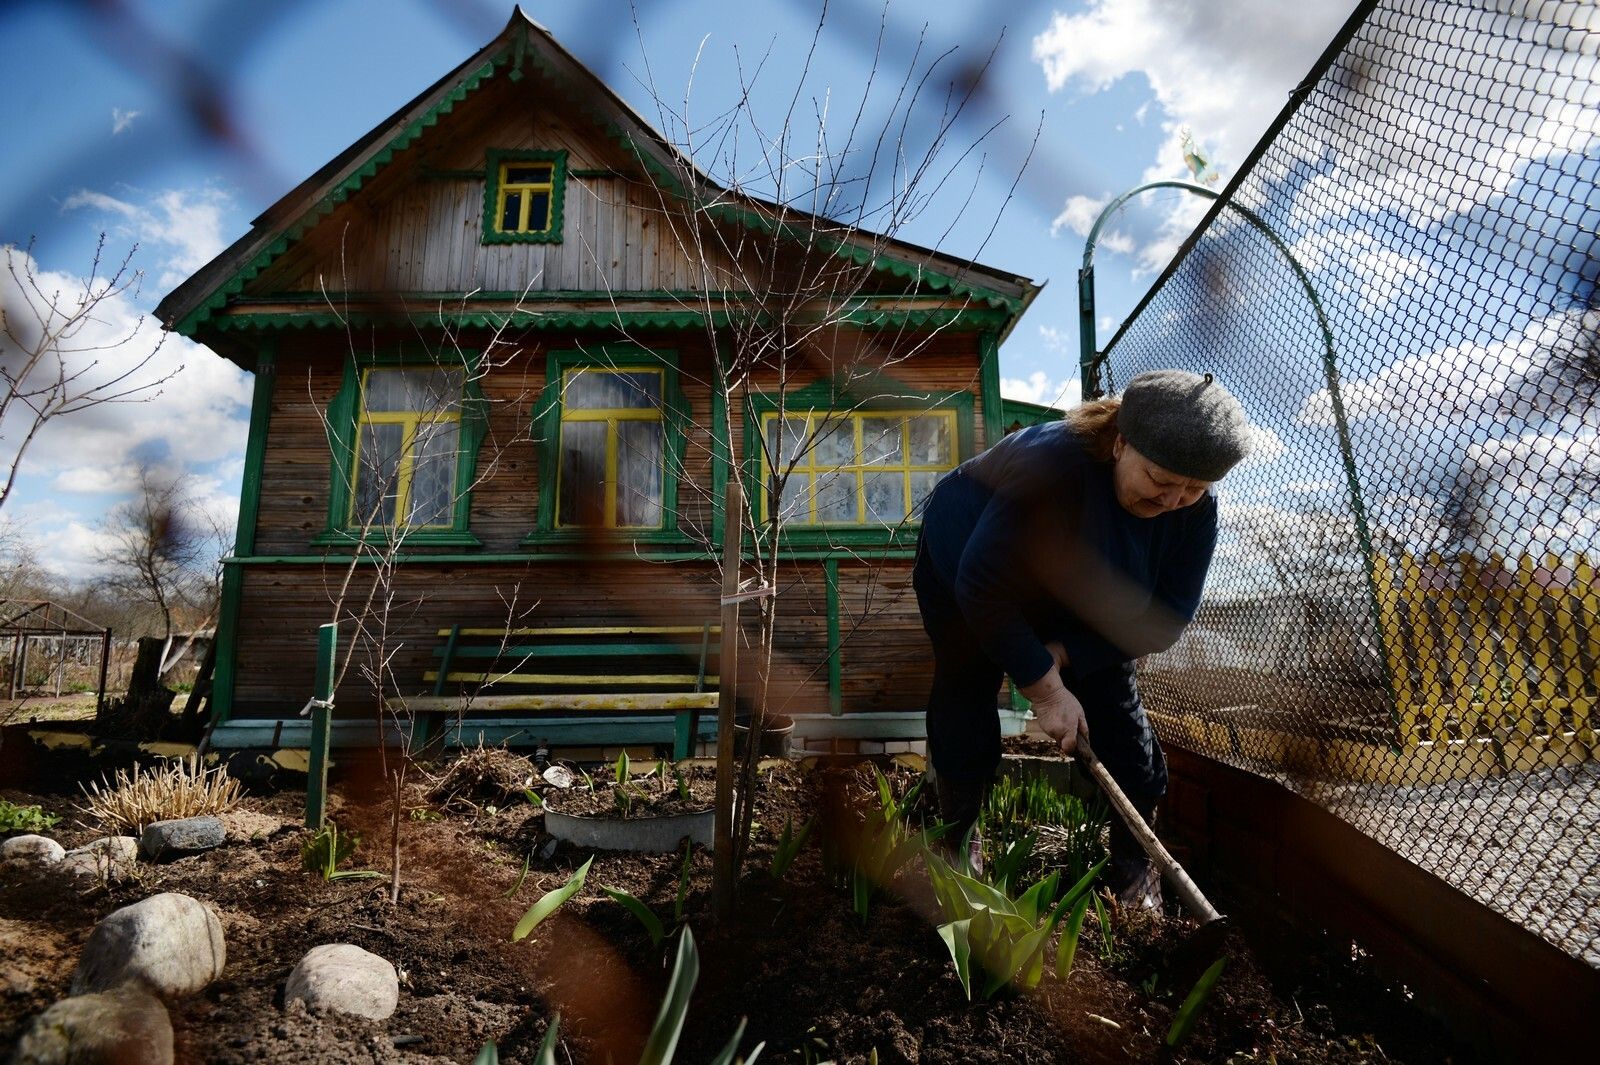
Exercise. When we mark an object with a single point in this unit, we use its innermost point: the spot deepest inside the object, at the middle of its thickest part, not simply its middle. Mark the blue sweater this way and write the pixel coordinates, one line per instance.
(1030, 544)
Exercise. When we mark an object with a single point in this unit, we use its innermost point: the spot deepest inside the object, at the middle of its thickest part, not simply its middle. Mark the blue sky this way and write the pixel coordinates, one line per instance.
(175, 123)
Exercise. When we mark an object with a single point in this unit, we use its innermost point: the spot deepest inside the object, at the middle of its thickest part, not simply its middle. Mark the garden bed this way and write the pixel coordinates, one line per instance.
(815, 980)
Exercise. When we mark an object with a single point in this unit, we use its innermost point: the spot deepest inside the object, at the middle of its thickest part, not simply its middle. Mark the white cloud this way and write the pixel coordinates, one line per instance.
(1079, 214)
(198, 416)
(1456, 385)
(1039, 387)
(1356, 262)
(1266, 446)
(121, 120)
(99, 201)
(184, 227)
(94, 480)
(1223, 70)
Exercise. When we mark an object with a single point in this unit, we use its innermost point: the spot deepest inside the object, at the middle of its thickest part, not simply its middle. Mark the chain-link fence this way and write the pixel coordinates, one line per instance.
(1400, 285)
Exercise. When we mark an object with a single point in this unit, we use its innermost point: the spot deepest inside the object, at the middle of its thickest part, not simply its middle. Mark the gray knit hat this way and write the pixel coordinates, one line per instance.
(1185, 422)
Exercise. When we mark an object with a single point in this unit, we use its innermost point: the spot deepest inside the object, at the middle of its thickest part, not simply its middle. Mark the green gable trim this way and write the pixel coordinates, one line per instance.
(881, 393)
(343, 414)
(420, 558)
(491, 193)
(973, 319)
(1026, 414)
(519, 319)
(873, 258)
(994, 425)
(337, 195)
(547, 430)
(255, 450)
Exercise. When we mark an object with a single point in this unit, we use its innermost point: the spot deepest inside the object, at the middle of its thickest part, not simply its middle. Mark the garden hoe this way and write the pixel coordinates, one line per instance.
(1205, 945)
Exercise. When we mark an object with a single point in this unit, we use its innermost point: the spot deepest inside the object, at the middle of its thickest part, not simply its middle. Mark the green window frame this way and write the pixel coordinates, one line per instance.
(367, 409)
(876, 427)
(518, 182)
(609, 389)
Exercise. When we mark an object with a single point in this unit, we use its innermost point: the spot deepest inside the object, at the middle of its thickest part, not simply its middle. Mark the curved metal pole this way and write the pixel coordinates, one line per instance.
(1088, 357)
(1089, 371)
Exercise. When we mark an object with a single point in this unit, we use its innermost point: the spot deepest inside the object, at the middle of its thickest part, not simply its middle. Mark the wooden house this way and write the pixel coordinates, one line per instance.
(490, 343)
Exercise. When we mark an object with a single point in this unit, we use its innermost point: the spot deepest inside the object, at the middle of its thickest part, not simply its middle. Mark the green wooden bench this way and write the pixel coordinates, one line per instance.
(640, 669)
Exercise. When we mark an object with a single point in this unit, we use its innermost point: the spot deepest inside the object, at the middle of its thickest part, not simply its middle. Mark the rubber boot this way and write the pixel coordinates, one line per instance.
(1134, 882)
(960, 804)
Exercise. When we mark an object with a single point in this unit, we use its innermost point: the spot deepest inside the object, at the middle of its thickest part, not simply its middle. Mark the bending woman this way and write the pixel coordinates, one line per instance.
(1059, 556)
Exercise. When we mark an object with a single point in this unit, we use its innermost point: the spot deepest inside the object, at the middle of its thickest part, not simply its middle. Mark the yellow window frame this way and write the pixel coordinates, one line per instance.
(411, 421)
(806, 462)
(610, 416)
(527, 188)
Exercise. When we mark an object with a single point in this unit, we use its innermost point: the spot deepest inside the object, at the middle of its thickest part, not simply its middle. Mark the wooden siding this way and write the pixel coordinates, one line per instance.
(885, 659)
(505, 503)
(295, 479)
(418, 225)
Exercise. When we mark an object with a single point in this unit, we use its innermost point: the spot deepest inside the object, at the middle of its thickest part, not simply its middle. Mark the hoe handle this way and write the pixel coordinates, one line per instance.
(1168, 866)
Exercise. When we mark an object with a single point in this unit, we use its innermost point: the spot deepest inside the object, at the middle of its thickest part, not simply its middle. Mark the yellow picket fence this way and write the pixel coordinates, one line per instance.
(1492, 649)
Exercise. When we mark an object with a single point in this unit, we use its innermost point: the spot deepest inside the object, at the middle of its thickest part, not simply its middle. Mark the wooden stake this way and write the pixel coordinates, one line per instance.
(321, 726)
(722, 886)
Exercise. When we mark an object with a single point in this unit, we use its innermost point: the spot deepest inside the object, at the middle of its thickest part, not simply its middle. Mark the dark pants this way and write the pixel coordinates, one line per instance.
(964, 726)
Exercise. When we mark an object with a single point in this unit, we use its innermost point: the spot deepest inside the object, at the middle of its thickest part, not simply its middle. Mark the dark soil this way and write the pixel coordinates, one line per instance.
(815, 982)
(646, 796)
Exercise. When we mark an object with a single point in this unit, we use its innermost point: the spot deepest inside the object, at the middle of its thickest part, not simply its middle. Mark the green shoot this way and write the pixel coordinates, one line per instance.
(1199, 995)
(490, 1054)
(325, 851)
(683, 882)
(683, 785)
(1005, 936)
(1067, 949)
(662, 1043)
(588, 781)
(520, 877)
(663, 1040)
(533, 798)
(622, 767)
(789, 846)
(1104, 918)
(645, 916)
(550, 902)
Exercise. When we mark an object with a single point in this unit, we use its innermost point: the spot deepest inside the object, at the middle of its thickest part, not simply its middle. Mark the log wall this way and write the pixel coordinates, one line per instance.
(884, 655)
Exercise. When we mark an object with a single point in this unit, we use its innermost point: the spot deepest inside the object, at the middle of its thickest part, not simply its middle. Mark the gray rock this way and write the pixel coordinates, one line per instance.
(39, 849)
(343, 977)
(111, 858)
(176, 839)
(125, 1026)
(171, 943)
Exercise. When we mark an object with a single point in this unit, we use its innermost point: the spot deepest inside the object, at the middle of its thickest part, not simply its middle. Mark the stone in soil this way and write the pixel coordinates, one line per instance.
(171, 943)
(111, 858)
(40, 850)
(165, 840)
(124, 1026)
(343, 977)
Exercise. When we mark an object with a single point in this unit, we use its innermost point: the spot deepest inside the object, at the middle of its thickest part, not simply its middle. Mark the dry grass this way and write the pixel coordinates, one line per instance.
(180, 788)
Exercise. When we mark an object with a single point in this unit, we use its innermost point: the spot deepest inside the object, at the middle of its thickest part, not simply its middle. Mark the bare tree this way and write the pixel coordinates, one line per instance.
(161, 549)
(392, 498)
(64, 351)
(786, 244)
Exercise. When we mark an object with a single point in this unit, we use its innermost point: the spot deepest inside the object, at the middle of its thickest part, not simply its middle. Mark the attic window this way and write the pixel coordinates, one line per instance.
(522, 197)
